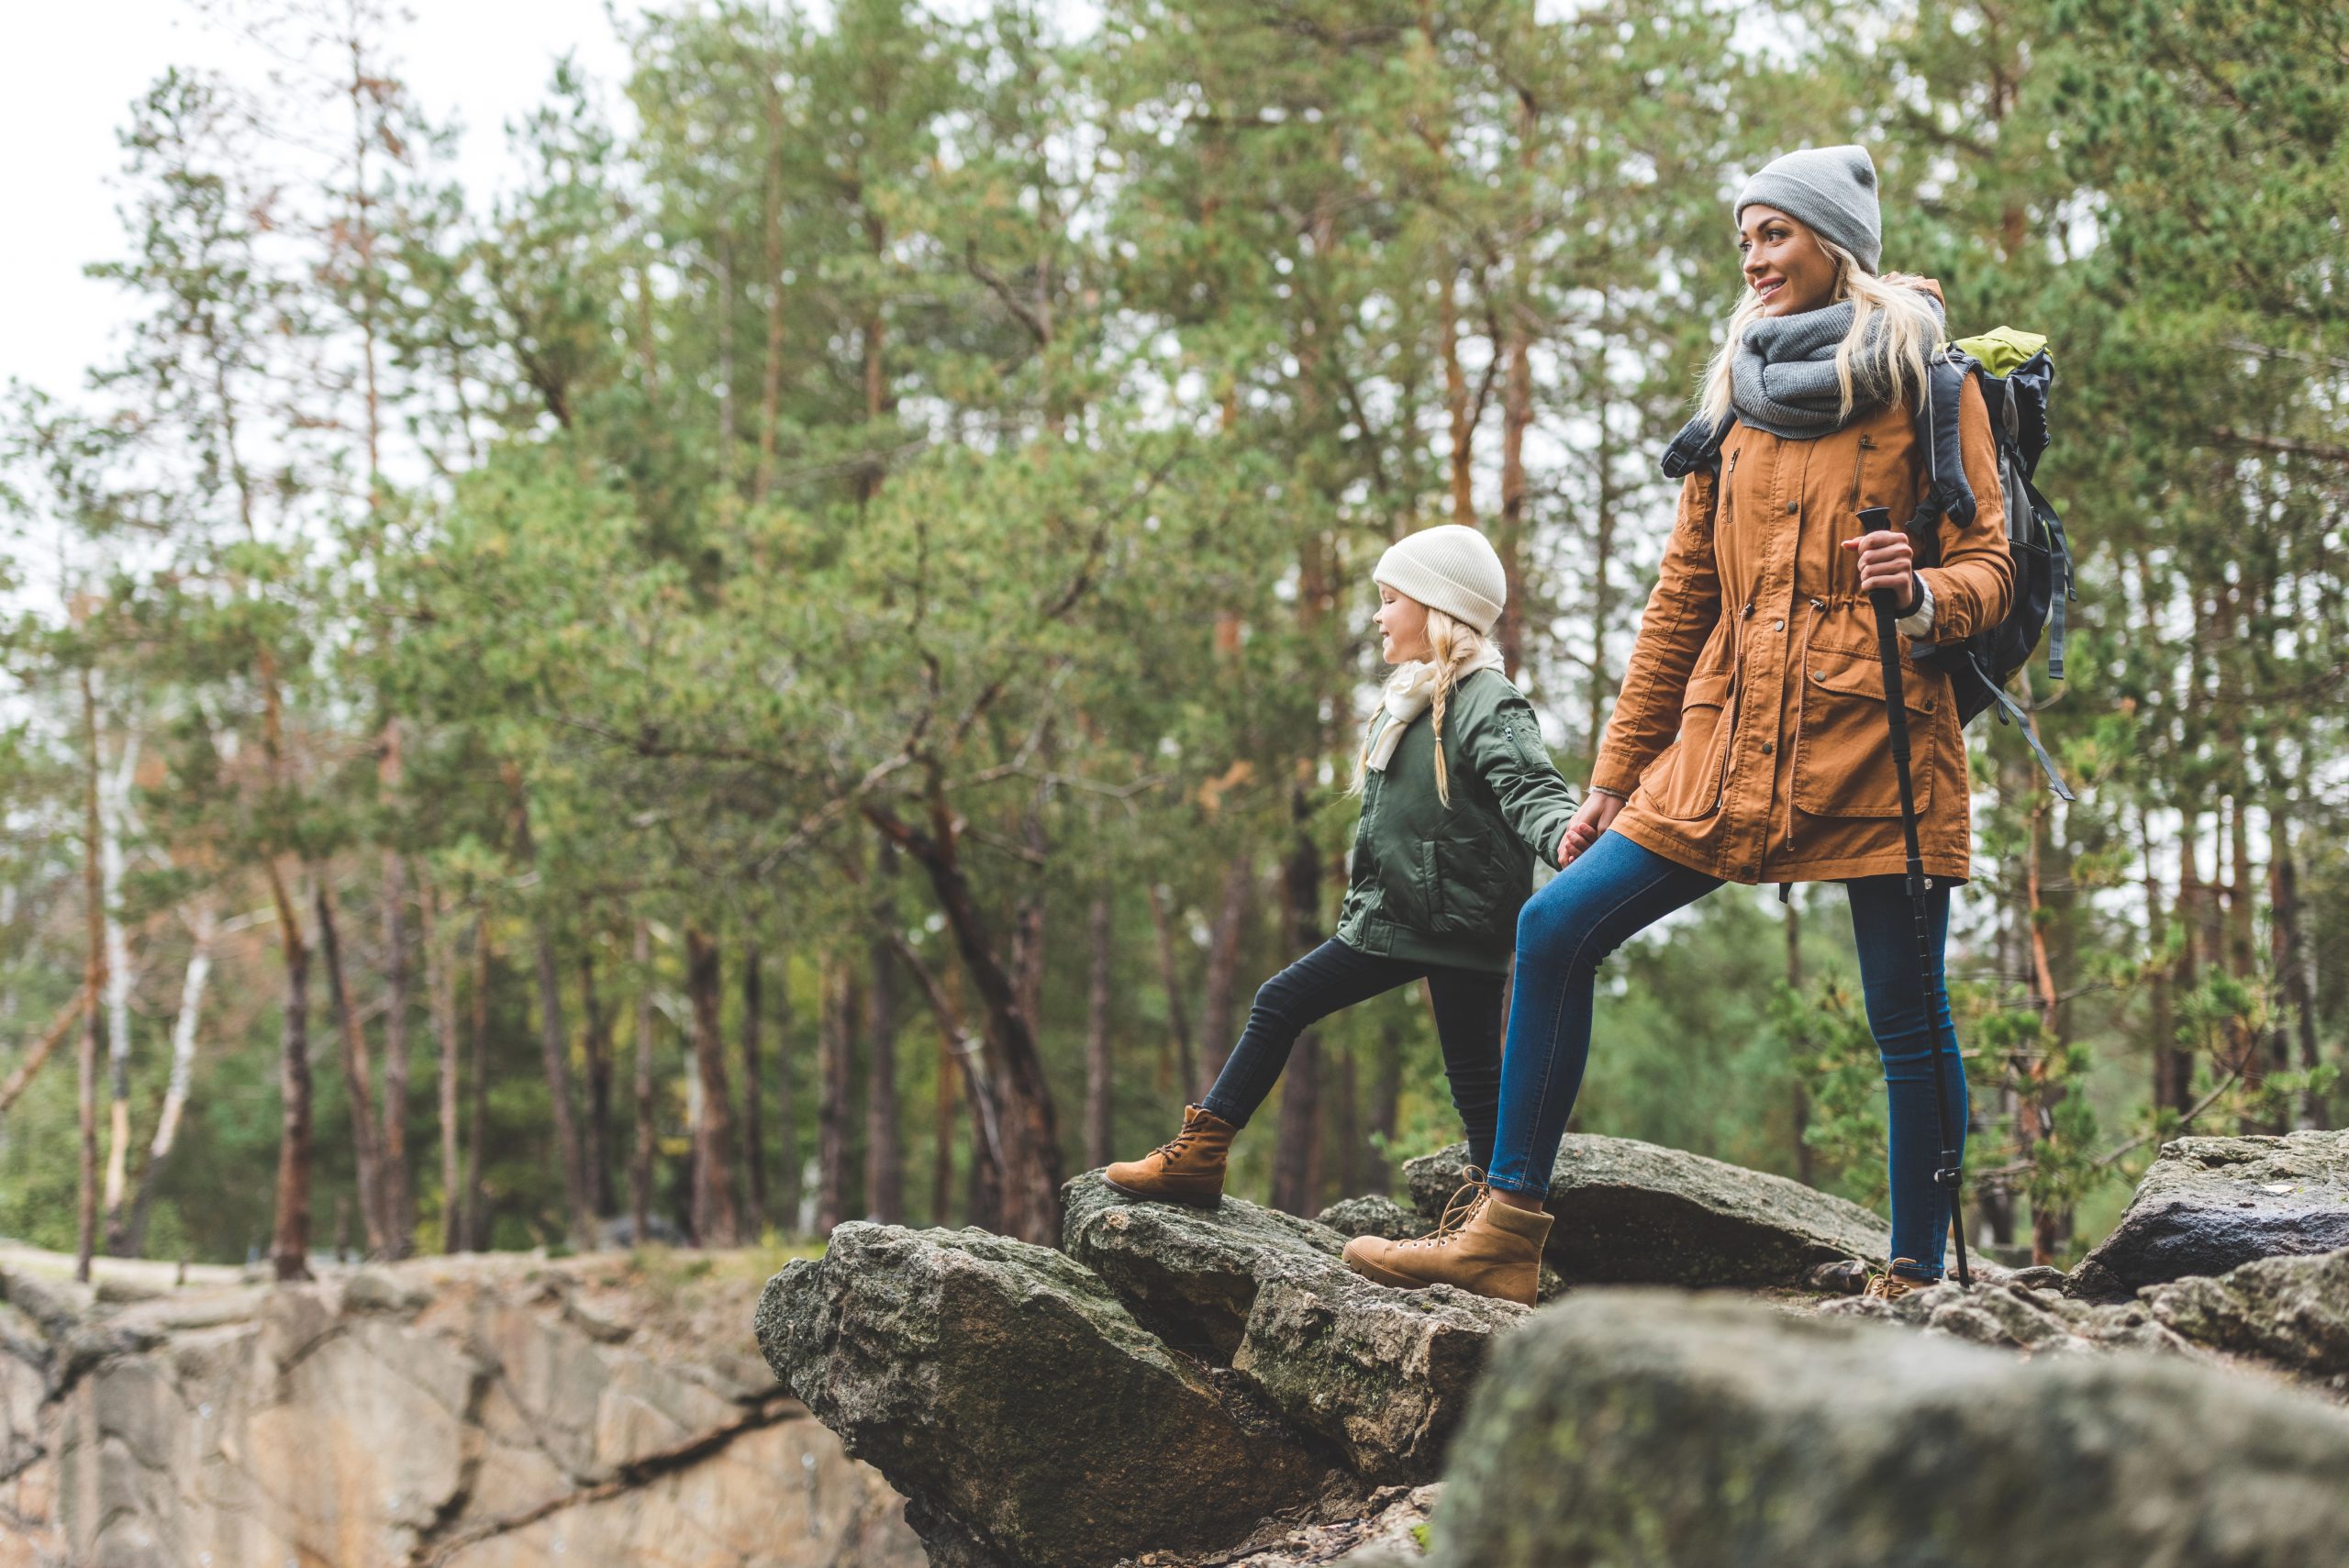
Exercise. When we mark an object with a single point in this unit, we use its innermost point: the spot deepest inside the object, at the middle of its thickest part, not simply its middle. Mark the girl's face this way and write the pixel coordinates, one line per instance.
(1785, 263)
(1402, 628)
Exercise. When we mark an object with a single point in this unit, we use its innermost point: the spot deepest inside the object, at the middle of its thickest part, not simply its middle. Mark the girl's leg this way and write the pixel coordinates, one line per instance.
(1614, 890)
(1912, 1045)
(1332, 976)
(1468, 1004)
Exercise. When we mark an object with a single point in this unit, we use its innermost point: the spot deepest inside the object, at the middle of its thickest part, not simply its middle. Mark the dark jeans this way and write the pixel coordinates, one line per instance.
(1332, 976)
(1617, 889)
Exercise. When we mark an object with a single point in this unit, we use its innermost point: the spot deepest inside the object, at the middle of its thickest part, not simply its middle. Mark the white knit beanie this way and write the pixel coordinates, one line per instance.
(1448, 568)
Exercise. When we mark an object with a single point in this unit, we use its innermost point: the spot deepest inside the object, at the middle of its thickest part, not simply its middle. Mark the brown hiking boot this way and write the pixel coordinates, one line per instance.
(1187, 1170)
(1483, 1247)
(1890, 1287)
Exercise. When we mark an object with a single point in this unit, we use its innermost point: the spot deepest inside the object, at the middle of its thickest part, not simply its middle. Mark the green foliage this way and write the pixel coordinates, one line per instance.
(977, 431)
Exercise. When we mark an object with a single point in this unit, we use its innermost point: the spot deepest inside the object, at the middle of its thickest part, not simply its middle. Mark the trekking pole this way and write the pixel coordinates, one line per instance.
(1947, 1176)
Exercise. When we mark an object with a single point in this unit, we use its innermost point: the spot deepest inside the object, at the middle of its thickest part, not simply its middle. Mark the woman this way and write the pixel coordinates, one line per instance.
(1749, 741)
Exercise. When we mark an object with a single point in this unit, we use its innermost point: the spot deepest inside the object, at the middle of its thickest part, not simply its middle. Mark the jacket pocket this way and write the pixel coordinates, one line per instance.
(1842, 764)
(1687, 781)
(1463, 887)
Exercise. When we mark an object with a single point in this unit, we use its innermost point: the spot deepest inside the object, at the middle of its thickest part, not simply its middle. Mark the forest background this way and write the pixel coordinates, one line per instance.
(804, 661)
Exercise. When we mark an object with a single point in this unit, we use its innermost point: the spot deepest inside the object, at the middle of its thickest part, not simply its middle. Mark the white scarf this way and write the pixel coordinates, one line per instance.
(1410, 691)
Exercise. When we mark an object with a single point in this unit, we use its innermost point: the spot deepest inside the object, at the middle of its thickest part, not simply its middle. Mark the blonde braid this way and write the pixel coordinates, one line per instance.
(1456, 646)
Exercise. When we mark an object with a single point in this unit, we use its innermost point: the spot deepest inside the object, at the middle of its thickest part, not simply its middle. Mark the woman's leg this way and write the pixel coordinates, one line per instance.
(1912, 1045)
(1612, 891)
(1468, 1004)
(1332, 976)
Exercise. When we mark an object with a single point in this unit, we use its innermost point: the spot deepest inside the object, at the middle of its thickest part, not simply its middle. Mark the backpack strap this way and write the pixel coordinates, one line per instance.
(1949, 491)
(2059, 550)
(2010, 711)
(1697, 446)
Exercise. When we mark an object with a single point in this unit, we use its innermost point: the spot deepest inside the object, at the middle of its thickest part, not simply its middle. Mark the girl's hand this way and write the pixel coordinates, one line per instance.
(1590, 819)
(1887, 561)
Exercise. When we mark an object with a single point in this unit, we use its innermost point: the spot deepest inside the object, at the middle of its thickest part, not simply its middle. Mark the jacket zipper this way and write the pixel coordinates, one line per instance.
(1859, 464)
(1859, 469)
(1802, 680)
(1729, 718)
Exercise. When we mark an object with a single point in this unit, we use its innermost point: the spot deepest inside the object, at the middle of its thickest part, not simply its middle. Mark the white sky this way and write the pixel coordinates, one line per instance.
(68, 75)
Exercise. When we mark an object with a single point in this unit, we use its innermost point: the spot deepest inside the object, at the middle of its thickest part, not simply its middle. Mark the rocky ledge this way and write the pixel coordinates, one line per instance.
(1172, 1381)
(1688, 1430)
(490, 1412)
(2209, 1205)
(1174, 1388)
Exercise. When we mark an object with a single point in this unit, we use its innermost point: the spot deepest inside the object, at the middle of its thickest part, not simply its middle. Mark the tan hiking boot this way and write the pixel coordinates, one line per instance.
(1484, 1247)
(1890, 1287)
(1188, 1170)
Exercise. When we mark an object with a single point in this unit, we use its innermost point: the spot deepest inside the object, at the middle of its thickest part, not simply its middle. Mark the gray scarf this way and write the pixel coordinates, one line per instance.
(1783, 378)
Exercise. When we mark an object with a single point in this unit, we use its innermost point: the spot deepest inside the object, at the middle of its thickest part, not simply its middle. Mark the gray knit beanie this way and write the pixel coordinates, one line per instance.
(1448, 568)
(1832, 189)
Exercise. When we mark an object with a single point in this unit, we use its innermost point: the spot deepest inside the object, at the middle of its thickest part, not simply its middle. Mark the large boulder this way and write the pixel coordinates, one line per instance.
(2209, 1205)
(1018, 1404)
(1633, 1213)
(2292, 1310)
(1640, 1426)
(1190, 1275)
(1383, 1374)
(1371, 1215)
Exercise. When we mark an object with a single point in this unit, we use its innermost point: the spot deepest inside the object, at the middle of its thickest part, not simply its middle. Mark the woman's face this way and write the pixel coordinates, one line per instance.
(1402, 628)
(1785, 263)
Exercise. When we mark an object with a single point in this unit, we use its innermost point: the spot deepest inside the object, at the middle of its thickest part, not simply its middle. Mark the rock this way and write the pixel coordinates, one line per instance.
(1631, 1213)
(2038, 1277)
(2015, 1318)
(1642, 1426)
(2209, 1205)
(1388, 1536)
(1383, 1373)
(1381, 1217)
(2293, 1310)
(440, 1411)
(1189, 1276)
(1844, 1276)
(1018, 1404)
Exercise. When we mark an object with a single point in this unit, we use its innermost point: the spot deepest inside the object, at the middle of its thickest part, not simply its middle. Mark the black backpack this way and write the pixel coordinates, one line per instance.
(1980, 666)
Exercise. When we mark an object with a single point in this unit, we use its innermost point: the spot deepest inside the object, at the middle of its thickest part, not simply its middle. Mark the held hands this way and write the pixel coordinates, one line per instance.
(1887, 562)
(1590, 819)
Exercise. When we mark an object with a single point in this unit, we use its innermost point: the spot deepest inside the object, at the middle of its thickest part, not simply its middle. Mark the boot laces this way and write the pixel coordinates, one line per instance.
(1472, 1196)
(1172, 1147)
(1889, 1286)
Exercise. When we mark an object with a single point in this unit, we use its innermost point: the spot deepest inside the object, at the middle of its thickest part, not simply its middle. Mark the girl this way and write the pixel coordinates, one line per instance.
(1458, 795)
(1749, 742)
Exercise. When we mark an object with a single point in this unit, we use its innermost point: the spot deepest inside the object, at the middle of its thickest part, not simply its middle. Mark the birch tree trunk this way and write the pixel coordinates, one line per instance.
(114, 821)
(718, 1220)
(202, 927)
(639, 1166)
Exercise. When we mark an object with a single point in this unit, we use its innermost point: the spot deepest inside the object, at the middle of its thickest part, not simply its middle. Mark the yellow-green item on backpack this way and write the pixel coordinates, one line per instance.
(2002, 350)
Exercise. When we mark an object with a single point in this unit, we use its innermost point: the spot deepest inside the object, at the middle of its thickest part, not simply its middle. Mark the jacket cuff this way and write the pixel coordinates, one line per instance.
(1613, 775)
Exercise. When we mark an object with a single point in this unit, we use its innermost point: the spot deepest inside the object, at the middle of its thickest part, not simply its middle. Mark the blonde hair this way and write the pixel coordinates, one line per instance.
(1456, 647)
(1910, 330)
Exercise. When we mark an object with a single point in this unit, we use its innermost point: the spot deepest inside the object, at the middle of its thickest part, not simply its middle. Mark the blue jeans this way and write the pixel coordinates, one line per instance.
(1468, 1004)
(1617, 889)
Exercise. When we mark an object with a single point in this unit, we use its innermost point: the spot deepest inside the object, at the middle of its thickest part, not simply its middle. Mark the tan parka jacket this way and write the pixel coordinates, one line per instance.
(1750, 732)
